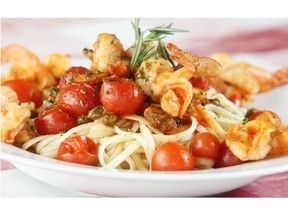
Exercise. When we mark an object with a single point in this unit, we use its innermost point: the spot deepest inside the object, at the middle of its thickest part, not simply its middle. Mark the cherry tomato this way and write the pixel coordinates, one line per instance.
(26, 91)
(201, 82)
(258, 114)
(236, 98)
(121, 96)
(227, 158)
(80, 75)
(172, 157)
(78, 149)
(205, 145)
(54, 121)
(78, 99)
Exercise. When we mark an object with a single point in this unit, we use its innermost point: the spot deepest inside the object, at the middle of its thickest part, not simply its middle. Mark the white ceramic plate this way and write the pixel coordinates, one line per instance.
(93, 180)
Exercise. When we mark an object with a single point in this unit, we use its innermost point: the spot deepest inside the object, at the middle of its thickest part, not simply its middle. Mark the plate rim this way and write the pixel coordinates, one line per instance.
(238, 171)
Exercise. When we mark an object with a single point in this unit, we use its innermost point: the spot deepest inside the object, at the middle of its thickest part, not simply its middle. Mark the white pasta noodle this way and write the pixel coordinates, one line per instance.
(118, 148)
(223, 114)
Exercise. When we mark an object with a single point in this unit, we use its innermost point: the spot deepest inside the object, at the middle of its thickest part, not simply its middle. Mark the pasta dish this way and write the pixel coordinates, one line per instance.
(152, 106)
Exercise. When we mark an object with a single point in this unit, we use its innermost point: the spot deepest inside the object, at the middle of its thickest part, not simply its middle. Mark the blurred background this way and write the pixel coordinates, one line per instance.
(266, 38)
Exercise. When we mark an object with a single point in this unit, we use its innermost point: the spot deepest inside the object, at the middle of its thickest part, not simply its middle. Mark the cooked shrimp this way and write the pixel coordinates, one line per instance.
(279, 143)
(200, 66)
(174, 91)
(266, 79)
(26, 65)
(58, 64)
(149, 70)
(106, 50)
(15, 52)
(237, 75)
(13, 115)
(250, 141)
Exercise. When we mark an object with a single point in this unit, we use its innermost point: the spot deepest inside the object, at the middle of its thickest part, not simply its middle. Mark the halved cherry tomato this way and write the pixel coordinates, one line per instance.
(201, 82)
(78, 99)
(80, 75)
(121, 96)
(78, 149)
(205, 145)
(172, 157)
(226, 158)
(26, 91)
(54, 121)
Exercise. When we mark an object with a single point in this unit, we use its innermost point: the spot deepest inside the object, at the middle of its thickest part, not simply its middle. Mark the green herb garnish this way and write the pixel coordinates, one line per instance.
(142, 50)
(245, 120)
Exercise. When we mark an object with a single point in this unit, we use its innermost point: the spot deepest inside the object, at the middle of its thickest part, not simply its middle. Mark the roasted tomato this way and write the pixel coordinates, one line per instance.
(226, 158)
(78, 149)
(26, 91)
(78, 99)
(121, 96)
(205, 145)
(201, 82)
(80, 75)
(172, 157)
(54, 121)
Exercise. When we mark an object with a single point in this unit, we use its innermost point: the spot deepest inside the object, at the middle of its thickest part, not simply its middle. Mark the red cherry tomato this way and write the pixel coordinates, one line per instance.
(236, 98)
(26, 91)
(78, 149)
(226, 158)
(79, 75)
(201, 82)
(78, 99)
(121, 96)
(54, 121)
(172, 157)
(265, 115)
(205, 145)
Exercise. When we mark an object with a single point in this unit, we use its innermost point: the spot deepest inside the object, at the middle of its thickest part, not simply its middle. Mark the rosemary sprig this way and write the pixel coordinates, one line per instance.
(142, 50)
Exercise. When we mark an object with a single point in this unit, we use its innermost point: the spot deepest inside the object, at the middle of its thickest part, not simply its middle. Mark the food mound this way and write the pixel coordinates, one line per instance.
(150, 107)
